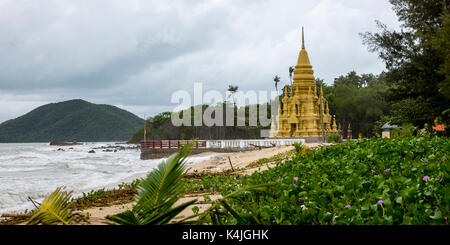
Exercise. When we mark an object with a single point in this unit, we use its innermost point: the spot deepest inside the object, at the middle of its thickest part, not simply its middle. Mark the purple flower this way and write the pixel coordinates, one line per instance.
(295, 178)
(387, 170)
(348, 206)
(281, 179)
(388, 195)
(295, 185)
(373, 171)
(380, 202)
(437, 177)
(426, 178)
(216, 216)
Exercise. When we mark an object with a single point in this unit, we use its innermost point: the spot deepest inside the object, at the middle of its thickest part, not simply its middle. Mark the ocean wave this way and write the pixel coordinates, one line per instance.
(36, 170)
(23, 169)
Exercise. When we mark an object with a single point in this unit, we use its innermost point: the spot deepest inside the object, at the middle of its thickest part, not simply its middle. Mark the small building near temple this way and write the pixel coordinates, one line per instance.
(387, 129)
(299, 113)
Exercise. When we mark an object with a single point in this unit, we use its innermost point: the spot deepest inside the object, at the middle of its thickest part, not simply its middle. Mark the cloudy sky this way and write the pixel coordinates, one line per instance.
(135, 54)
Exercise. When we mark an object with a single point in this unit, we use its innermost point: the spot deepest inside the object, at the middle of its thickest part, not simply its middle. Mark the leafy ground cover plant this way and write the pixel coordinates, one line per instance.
(369, 181)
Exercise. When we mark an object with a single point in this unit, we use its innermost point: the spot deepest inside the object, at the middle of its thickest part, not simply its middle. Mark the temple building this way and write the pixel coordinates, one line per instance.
(299, 113)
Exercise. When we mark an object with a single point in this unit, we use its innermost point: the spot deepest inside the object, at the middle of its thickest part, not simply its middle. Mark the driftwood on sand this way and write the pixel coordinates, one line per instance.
(23, 216)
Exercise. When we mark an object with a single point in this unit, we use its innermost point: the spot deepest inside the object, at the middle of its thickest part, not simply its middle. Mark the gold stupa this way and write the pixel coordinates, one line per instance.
(299, 113)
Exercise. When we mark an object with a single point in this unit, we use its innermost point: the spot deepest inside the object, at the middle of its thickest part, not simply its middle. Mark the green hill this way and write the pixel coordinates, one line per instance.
(73, 120)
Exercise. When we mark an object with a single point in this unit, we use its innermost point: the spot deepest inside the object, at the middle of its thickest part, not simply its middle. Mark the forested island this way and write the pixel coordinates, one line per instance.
(72, 120)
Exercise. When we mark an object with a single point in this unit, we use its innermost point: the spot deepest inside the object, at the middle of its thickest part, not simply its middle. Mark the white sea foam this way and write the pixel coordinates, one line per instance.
(36, 169)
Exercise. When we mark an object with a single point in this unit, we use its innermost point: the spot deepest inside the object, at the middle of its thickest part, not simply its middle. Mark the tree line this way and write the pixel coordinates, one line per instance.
(160, 127)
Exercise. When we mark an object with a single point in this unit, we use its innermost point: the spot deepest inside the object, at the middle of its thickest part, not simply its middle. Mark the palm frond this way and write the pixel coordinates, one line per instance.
(54, 209)
(125, 218)
(231, 210)
(166, 217)
(158, 192)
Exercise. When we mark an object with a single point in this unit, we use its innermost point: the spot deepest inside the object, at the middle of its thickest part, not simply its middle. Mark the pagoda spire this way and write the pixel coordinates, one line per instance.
(303, 38)
(303, 59)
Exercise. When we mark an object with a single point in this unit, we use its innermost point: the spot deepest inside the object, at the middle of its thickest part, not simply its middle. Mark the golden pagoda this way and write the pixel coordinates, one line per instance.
(299, 112)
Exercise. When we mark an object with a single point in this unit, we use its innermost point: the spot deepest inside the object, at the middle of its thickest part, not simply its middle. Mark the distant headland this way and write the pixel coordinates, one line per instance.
(73, 120)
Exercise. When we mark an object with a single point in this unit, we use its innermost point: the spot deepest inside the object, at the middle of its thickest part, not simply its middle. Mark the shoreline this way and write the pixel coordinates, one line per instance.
(218, 163)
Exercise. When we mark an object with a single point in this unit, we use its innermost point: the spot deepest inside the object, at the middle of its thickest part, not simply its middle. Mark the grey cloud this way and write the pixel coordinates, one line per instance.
(135, 54)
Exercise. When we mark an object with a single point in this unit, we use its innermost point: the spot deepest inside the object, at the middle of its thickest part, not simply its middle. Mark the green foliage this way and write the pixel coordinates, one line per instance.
(299, 148)
(73, 120)
(221, 211)
(441, 42)
(53, 210)
(343, 184)
(94, 195)
(223, 184)
(275, 159)
(133, 185)
(157, 194)
(334, 138)
(357, 100)
(417, 61)
(405, 131)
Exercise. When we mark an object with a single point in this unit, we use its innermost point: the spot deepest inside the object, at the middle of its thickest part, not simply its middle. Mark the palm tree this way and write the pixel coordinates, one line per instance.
(276, 79)
(319, 83)
(232, 89)
(291, 70)
(157, 194)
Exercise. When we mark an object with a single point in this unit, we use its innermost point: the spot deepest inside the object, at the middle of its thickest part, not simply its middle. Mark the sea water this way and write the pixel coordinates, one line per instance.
(37, 169)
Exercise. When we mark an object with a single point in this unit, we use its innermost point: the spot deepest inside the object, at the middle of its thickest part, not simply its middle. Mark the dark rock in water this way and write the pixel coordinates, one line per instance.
(71, 148)
(60, 143)
(60, 149)
(116, 148)
(91, 151)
